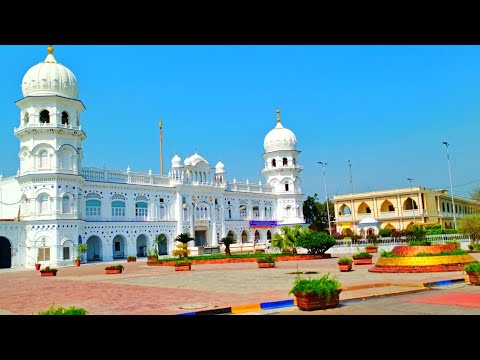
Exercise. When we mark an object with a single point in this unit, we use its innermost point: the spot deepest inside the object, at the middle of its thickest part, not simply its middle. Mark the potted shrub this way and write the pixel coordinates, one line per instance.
(114, 269)
(473, 271)
(131, 258)
(362, 258)
(48, 271)
(266, 261)
(315, 294)
(182, 251)
(183, 265)
(371, 248)
(82, 250)
(37, 264)
(345, 264)
(77, 261)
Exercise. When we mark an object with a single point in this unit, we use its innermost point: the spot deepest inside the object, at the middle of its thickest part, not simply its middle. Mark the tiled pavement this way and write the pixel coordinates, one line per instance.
(159, 290)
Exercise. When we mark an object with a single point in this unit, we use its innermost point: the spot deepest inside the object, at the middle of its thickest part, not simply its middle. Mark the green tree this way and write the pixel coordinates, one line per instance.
(315, 242)
(227, 241)
(315, 213)
(470, 225)
(475, 194)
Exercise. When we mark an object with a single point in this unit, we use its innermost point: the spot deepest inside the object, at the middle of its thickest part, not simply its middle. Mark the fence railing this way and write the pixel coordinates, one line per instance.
(389, 241)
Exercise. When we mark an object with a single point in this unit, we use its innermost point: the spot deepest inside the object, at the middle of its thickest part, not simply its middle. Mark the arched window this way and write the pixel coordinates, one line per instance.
(269, 235)
(243, 211)
(26, 119)
(93, 207)
(288, 210)
(64, 118)
(274, 163)
(44, 202)
(43, 159)
(163, 211)
(45, 117)
(118, 208)
(141, 209)
(66, 204)
(256, 212)
(185, 214)
(284, 162)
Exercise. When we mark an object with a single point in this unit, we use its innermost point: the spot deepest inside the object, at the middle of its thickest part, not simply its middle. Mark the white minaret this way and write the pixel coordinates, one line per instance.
(51, 137)
(282, 171)
(50, 130)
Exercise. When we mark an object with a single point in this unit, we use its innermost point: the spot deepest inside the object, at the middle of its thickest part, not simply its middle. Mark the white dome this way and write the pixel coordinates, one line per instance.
(176, 161)
(219, 168)
(187, 161)
(50, 78)
(279, 138)
(195, 159)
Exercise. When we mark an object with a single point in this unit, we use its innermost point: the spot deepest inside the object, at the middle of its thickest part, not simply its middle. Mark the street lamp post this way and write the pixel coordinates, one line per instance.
(351, 186)
(411, 198)
(326, 196)
(451, 186)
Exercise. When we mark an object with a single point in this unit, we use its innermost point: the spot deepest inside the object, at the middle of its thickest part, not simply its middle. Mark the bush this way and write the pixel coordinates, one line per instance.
(266, 258)
(326, 286)
(183, 262)
(473, 266)
(345, 260)
(362, 255)
(72, 310)
(315, 242)
(385, 232)
(115, 267)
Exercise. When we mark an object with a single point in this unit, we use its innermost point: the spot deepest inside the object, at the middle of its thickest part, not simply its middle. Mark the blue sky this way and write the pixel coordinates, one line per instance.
(387, 109)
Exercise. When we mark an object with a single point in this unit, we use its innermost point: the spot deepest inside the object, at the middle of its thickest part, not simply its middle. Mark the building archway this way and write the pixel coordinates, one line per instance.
(118, 247)
(94, 248)
(5, 253)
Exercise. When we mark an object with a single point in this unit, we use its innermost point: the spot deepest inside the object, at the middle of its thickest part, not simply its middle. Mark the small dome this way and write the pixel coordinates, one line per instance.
(50, 78)
(195, 159)
(279, 138)
(176, 161)
(187, 161)
(219, 168)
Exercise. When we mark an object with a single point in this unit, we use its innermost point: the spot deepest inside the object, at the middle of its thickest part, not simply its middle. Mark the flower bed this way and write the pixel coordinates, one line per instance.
(240, 260)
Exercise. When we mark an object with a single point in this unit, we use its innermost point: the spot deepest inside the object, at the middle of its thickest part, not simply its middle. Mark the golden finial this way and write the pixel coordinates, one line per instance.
(50, 49)
(160, 123)
(278, 115)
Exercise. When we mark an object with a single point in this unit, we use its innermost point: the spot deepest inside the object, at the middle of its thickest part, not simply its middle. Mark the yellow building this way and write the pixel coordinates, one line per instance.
(369, 212)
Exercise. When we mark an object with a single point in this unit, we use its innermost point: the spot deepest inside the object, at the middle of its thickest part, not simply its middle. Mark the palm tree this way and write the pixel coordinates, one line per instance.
(288, 238)
(227, 241)
(184, 238)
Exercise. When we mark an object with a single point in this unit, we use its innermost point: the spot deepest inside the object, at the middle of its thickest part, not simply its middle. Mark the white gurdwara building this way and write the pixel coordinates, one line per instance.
(53, 203)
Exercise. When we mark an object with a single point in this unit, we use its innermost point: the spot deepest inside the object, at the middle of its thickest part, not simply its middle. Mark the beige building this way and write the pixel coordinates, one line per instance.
(369, 212)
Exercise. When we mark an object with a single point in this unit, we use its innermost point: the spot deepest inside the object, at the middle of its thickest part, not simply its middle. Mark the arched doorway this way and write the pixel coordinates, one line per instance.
(94, 248)
(5, 253)
(141, 246)
(257, 236)
(162, 245)
(118, 247)
(244, 236)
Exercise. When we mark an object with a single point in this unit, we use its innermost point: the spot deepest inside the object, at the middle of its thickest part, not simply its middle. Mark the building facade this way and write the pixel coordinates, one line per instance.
(369, 212)
(53, 203)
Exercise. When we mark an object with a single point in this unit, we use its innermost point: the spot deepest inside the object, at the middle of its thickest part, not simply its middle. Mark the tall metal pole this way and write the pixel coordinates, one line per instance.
(161, 147)
(451, 186)
(351, 187)
(326, 197)
(411, 198)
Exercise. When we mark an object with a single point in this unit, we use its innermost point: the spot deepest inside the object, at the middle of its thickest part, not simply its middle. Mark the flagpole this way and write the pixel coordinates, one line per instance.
(161, 148)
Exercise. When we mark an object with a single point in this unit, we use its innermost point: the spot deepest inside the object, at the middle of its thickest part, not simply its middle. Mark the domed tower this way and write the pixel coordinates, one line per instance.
(50, 130)
(282, 172)
(51, 137)
(220, 174)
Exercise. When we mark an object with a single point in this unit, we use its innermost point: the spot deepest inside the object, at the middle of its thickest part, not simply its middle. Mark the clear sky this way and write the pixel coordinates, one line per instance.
(387, 109)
